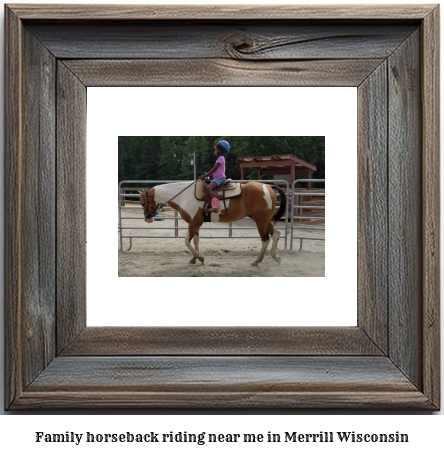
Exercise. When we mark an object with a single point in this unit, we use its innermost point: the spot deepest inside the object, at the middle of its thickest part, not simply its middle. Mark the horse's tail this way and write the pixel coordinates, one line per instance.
(283, 206)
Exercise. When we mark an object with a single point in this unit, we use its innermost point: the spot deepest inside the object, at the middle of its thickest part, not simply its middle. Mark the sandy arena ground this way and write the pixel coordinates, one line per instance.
(224, 257)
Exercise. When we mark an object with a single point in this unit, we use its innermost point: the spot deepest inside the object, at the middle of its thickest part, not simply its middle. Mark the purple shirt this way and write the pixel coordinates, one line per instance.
(220, 172)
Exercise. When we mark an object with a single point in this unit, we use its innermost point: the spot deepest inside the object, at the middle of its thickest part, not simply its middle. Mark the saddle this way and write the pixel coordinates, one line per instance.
(227, 190)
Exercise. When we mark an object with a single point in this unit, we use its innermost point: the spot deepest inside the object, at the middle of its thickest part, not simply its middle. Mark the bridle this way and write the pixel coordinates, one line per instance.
(160, 206)
(149, 215)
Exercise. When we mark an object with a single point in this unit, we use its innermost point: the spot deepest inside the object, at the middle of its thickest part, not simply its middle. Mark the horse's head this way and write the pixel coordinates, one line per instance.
(148, 203)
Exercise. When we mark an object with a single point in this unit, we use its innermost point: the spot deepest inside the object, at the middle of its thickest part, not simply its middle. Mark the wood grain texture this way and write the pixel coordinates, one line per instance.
(408, 377)
(220, 12)
(431, 205)
(95, 341)
(209, 72)
(372, 207)
(71, 206)
(234, 382)
(39, 207)
(209, 373)
(263, 40)
(405, 209)
(13, 209)
(245, 401)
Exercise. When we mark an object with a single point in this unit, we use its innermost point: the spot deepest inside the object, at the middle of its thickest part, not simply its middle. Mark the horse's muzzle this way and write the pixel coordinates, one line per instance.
(150, 220)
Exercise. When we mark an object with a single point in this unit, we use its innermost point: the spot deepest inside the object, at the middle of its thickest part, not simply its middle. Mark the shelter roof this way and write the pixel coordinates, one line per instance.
(274, 161)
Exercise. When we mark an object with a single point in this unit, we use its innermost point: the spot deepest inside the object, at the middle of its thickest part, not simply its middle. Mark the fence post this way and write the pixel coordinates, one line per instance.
(120, 219)
(292, 216)
(287, 195)
(176, 224)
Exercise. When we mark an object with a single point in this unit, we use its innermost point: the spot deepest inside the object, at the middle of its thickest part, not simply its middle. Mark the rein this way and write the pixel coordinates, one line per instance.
(164, 204)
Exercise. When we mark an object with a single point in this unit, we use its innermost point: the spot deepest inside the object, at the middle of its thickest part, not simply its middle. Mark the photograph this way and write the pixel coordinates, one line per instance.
(255, 241)
(203, 206)
(81, 80)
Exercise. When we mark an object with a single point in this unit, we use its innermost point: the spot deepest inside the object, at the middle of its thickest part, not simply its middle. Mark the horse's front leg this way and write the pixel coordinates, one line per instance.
(193, 233)
(196, 240)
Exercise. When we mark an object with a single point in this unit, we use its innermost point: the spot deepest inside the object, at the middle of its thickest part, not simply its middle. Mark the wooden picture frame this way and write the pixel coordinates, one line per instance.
(390, 360)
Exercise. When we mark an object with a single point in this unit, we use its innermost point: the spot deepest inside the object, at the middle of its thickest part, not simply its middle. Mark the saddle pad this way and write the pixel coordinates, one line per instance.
(200, 194)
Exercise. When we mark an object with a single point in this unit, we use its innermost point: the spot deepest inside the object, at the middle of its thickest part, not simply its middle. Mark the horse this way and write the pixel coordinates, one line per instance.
(257, 200)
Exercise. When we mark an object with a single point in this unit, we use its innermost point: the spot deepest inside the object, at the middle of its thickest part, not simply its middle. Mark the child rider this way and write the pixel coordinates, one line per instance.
(218, 173)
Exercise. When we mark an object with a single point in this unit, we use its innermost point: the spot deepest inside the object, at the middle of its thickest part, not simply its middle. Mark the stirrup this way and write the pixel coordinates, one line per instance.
(207, 204)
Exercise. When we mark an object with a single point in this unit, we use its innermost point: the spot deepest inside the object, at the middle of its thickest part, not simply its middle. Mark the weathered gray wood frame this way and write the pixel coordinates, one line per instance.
(390, 360)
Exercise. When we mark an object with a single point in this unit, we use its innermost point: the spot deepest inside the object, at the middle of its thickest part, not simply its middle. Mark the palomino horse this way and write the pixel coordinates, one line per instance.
(257, 200)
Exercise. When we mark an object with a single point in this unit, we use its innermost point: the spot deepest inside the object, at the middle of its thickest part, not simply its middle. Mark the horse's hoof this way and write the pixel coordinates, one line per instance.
(278, 260)
(256, 263)
(193, 260)
(201, 259)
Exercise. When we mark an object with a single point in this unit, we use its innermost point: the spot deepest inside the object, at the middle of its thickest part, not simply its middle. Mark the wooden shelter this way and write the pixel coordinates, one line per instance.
(277, 165)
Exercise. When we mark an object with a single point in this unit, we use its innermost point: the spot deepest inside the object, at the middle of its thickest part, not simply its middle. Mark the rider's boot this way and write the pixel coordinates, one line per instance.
(215, 205)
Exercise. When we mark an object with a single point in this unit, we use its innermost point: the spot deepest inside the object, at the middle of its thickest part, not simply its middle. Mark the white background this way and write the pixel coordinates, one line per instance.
(16, 432)
(21, 435)
(254, 111)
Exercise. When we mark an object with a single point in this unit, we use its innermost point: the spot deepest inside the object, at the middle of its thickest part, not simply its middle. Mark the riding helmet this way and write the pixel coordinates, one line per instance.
(225, 146)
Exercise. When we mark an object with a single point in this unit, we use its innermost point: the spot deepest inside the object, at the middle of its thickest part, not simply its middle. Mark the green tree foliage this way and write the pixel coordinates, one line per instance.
(200, 146)
(139, 157)
(169, 157)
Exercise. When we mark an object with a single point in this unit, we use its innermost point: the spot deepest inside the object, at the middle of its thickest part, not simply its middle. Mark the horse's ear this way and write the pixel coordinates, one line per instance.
(141, 191)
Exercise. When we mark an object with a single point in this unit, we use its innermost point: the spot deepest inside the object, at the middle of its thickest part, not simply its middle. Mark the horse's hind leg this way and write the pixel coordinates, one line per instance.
(265, 241)
(193, 234)
(275, 235)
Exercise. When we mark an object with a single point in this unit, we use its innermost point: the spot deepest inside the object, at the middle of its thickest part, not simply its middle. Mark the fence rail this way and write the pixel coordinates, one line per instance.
(293, 195)
(122, 197)
(296, 198)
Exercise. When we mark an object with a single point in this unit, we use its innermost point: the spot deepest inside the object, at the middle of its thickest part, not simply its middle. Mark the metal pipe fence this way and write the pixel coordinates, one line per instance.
(296, 197)
(124, 196)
